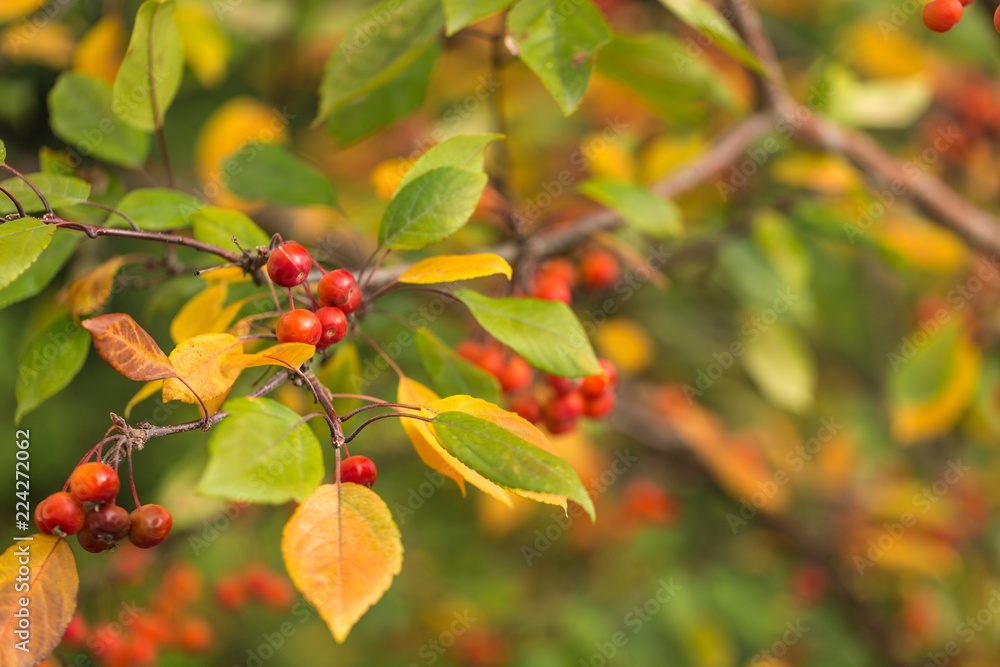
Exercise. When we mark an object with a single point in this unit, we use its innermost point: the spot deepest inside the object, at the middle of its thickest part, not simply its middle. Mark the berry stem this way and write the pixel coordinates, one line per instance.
(390, 415)
(131, 479)
(381, 353)
(13, 199)
(379, 405)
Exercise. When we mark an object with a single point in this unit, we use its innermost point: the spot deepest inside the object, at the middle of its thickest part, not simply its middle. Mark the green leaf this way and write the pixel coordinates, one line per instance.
(41, 273)
(509, 461)
(559, 41)
(341, 374)
(262, 452)
(782, 366)
(3, 151)
(50, 363)
(151, 72)
(639, 207)
(272, 173)
(386, 104)
(461, 13)
(156, 209)
(706, 19)
(21, 243)
(658, 67)
(546, 333)
(80, 114)
(430, 208)
(218, 226)
(61, 191)
(452, 374)
(381, 44)
(465, 152)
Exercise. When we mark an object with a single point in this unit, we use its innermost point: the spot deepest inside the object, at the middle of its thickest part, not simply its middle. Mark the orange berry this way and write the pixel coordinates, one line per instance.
(194, 635)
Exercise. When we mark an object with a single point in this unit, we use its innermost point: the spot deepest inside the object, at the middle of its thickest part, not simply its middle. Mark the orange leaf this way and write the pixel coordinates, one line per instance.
(48, 585)
(128, 348)
(342, 550)
(203, 363)
(92, 290)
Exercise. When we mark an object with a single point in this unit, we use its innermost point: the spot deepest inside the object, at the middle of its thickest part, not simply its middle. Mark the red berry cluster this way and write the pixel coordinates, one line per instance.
(138, 638)
(88, 510)
(943, 15)
(598, 270)
(358, 470)
(565, 400)
(339, 296)
(256, 583)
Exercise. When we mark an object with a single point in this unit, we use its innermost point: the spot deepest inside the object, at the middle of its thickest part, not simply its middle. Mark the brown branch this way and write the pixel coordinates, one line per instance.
(93, 231)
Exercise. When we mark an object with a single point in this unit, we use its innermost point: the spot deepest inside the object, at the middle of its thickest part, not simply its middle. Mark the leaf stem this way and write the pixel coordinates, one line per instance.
(38, 193)
(17, 204)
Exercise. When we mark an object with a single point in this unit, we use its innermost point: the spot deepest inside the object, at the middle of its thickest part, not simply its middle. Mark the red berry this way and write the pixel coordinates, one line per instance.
(231, 592)
(93, 543)
(599, 406)
(359, 470)
(517, 375)
(563, 385)
(942, 15)
(60, 514)
(649, 502)
(108, 522)
(810, 582)
(141, 651)
(966, 3)
(94, 483)
(76, 632)
(527, 407)
(492, 362)
(595, 385)
(599, 270)
(107, 643)
(150, 526)
(334, 324)
(559, 268)
(338, 288)
(299, 326)
(996, 19)
(194, 635)
(470, 350)
(289, 265)
(271, 588)
(563, 412)
(551, 288)
(152, 627)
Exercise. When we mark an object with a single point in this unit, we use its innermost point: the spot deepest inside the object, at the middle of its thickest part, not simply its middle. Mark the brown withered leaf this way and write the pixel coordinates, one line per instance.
(128, 348)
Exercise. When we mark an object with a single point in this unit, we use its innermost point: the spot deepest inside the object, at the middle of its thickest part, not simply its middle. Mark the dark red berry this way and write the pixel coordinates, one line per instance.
(60, 514)
(359, 470)
(334, 324)
(108, 521)
(299, 326)
(94, 483)
(563, 385)
(527, 407)
(338, 288)
(150, 526)
(563, 412)
(289, 265)
(95, 544)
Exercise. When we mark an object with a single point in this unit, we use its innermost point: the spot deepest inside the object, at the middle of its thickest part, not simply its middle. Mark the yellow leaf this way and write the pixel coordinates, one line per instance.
(37, 576)
(923, 244)
(202, 363)
(148, 391)
(880, 53)
(625, 343)
(424, 442)
(12, 9)
(206, 47)
(609, 159)
(387, 175)
(50, 44)
(448, 268)
(233, 125)
(228, 274)
(342, 549)
(829, 174)
(101, 49)
(288, 355)
(204, 313)
(92, 290)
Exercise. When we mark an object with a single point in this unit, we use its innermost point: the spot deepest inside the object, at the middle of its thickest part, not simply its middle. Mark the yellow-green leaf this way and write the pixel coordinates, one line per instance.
(448, 268)
(342, 550)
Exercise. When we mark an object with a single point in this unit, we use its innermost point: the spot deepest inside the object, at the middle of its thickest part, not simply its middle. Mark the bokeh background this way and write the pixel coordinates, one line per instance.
(802, 469)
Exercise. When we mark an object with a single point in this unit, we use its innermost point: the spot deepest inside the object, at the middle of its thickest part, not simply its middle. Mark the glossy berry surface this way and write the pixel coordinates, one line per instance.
(60, 514)
(334, 324)
(94, 483)
(338, 288)
(359, 470)
(289, 265)
(150, 526)
(93, 543)
(299, 326)
(942, 15)
(108, 521)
